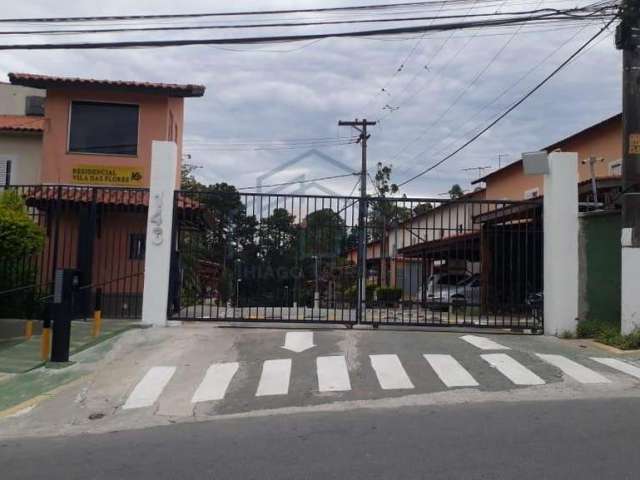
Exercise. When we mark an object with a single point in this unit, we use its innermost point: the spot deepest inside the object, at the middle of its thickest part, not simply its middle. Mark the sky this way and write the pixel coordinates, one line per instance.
(441, 88)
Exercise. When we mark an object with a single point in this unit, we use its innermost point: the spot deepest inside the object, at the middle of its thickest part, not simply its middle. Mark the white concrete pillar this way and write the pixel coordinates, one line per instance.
(561, 244)
(630, 292)
(157, 262)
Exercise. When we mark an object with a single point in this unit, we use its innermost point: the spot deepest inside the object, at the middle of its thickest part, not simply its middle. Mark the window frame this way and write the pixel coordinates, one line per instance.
(88, 100)
(529, 194)
(141, 240)
(614, 164)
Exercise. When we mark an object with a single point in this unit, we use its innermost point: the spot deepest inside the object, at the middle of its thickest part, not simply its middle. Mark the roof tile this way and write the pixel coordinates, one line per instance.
(167, 89)
(21, 123)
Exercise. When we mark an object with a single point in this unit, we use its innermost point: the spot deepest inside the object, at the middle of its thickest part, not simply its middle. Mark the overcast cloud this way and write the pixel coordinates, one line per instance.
(294, 91)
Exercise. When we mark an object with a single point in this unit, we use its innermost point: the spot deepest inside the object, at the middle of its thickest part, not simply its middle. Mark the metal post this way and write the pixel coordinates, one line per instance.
(361, 126)
(627, 39)
(65, 281)
(316, 293)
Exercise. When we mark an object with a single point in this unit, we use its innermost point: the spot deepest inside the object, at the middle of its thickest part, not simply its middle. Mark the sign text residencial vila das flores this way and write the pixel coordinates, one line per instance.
(108, 175)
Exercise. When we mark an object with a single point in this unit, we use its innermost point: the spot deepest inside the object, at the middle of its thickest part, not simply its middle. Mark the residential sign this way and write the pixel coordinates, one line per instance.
(107, 175)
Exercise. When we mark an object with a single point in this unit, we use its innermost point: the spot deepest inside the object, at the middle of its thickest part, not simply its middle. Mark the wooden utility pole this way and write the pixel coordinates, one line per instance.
(361, 126)
(628, 40)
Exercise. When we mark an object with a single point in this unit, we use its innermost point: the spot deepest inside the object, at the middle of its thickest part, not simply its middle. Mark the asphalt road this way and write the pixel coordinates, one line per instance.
(585, 439)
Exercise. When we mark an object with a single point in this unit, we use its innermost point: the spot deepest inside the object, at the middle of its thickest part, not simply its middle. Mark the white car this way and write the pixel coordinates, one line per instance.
(441, 286)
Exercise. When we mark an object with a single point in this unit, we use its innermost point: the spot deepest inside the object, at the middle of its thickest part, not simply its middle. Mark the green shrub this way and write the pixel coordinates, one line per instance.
(589, 328)
(19, 235)
(608, 334)
(20, 239)
(389, 295)
(351, 293)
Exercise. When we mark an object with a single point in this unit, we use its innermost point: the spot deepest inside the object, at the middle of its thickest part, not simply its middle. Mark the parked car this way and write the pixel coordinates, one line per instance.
(440, 286)
(467, 292)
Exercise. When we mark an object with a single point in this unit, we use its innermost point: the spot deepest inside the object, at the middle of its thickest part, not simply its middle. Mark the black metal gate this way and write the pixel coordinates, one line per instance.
(294, 258)
(97, 231)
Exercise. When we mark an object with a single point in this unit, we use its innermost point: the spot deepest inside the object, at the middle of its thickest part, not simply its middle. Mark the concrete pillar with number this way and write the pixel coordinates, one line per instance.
(561, 244)
(157, 262)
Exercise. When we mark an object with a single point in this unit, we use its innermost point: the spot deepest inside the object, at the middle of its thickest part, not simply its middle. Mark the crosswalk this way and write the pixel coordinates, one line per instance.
(332, 374)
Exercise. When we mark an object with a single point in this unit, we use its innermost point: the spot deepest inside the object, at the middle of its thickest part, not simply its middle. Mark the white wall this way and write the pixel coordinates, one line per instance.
(12, 98)
(561, 244)
(630, 287)
(25, 153)
(157, 262)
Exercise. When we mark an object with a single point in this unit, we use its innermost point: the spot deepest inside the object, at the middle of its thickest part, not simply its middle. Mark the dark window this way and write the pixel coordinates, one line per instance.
(108, 128)
(136, 246)
(5, 173)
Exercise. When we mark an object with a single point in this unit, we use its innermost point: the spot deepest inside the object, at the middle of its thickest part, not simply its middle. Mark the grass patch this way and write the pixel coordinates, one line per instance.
(609, 335)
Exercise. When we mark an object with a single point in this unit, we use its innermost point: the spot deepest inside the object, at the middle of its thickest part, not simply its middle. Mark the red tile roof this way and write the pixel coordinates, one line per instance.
(21, 123)
(103, 195)
(166, 89)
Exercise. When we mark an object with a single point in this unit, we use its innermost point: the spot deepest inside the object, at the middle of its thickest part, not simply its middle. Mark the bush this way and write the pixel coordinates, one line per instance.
(608, 334)
(351, 293)
(19, 235)
(389, 295)
(20, 239)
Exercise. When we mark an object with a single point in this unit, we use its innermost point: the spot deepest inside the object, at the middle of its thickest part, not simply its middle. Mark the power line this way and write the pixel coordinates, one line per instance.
(279, 24)
(511, 87)
(298, 181)
(226, 14)
(427, 65)
(512, 107)
(475, 80)
(542, 18)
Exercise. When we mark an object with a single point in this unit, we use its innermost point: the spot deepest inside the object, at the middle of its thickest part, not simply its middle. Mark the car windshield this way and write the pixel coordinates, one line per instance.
(466, 281)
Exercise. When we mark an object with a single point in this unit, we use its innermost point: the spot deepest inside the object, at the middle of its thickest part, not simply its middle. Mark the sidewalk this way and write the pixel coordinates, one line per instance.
(18, 356)
(23, 385)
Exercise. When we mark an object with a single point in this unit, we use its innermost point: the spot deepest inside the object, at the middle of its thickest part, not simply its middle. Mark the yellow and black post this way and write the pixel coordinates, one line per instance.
(97, 314)
(65, 282)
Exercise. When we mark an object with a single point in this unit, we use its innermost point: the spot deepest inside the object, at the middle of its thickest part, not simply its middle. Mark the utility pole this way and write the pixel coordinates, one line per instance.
(361, 126)
(594, 185)
(628, 40)
(479, 169)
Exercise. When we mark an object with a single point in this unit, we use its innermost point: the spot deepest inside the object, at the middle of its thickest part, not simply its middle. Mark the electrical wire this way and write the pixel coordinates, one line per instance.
(542, 18)
(512, 107)
(228, 14)
(298, 181)
(286, 24)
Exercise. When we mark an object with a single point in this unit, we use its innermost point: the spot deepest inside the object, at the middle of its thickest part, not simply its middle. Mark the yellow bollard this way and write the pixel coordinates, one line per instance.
(97, 323)
(45, 343)
(28, 329)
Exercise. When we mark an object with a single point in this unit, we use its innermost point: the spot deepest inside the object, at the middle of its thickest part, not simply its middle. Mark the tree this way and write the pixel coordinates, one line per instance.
(187, 179)
(455, 191)
(385, 213)
(324, 234)
(19, 235)
(20, 240)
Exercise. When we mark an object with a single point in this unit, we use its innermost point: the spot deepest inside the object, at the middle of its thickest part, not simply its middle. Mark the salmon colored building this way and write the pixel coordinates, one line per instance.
(95, 168)
(99, 132)
(603, 141)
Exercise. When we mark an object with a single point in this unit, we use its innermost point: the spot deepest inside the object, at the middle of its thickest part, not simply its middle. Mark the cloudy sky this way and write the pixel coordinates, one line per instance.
(438, 89)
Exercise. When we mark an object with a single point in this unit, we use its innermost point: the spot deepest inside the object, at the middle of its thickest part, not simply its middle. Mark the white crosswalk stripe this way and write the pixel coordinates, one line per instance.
(147, 391)
(333, 375)
(483, 343)
(275, 377)
(215, 382)
(450, 371)
(390, 372)
(573, 369)
(512, 369)
(619, 365)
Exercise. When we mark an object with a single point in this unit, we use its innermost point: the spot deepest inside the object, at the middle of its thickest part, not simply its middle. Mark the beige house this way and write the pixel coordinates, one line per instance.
(22, 124)
(602, 141)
